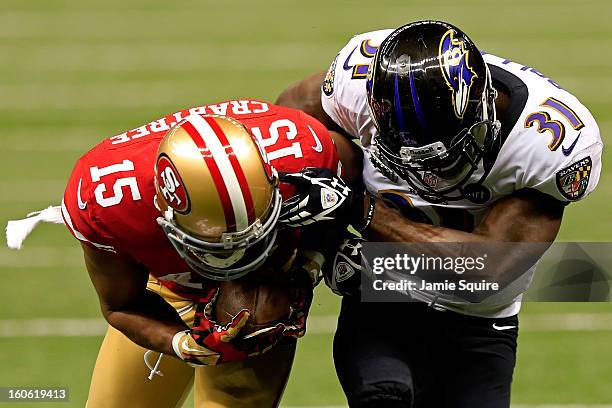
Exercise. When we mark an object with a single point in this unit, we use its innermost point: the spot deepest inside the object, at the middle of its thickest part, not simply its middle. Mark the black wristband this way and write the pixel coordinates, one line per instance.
(368, 214)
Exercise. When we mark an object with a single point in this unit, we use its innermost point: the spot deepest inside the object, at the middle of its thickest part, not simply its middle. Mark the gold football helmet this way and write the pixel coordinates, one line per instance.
(218, 196)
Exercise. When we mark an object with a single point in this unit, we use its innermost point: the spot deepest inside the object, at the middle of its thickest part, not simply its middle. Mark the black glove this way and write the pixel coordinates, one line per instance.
(322, 196)
(343, 275)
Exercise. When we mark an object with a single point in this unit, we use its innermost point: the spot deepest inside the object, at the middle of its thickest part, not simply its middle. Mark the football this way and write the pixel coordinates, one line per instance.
(267, 300)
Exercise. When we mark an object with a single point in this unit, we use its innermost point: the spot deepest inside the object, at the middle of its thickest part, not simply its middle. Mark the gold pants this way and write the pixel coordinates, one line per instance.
(120, 377)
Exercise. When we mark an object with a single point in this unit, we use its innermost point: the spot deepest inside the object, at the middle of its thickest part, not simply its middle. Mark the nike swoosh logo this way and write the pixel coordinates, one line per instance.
(318, 147)
(346, 66)
(496, 327)
(568, 151)
(80, 202)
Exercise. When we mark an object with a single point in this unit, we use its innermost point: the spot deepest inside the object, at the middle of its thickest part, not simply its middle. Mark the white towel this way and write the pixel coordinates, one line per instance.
(18, 230)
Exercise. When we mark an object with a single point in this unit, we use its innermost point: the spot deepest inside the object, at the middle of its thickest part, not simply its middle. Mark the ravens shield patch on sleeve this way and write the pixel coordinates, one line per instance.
(573, 180)
(328, 82)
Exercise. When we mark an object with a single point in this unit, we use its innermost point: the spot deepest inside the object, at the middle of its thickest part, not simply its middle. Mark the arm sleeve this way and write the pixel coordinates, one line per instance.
(572, 179)
(323, 152)
(341, 98)
(77, 210)
(343, 92)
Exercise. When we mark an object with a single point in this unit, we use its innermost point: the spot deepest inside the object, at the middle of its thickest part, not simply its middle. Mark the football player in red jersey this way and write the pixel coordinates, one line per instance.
(164, 211)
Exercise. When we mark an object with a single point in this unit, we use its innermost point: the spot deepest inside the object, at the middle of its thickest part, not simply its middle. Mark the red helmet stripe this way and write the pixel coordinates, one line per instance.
(242, 180)
(224, 196)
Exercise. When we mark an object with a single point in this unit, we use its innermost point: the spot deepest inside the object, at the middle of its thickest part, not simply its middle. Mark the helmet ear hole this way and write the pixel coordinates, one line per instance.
(480, 132)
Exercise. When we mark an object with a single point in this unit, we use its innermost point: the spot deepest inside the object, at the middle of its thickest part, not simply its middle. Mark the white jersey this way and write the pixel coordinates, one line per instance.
(551, 143)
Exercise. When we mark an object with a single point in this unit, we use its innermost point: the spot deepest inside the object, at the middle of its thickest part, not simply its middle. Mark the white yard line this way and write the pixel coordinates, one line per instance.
(54, 139)
(325, 324)
(118, 56)
(532, 322)
(566, 322)
(53, 327)
(23, 192)
(37, 257)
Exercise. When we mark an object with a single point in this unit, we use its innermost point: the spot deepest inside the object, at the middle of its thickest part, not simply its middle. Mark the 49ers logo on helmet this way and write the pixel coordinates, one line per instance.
(171, 186)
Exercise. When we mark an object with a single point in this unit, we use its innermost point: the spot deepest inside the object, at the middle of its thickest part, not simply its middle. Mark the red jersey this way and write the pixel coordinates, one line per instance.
(108, 202)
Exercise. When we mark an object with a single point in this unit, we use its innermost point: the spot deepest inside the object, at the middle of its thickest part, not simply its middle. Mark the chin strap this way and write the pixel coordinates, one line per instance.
(18, 230)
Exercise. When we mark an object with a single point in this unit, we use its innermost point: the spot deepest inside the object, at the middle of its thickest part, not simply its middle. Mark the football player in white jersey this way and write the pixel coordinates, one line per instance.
(467, 147)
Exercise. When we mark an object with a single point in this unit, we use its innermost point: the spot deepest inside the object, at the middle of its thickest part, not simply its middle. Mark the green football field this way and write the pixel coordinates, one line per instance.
(75, 72)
